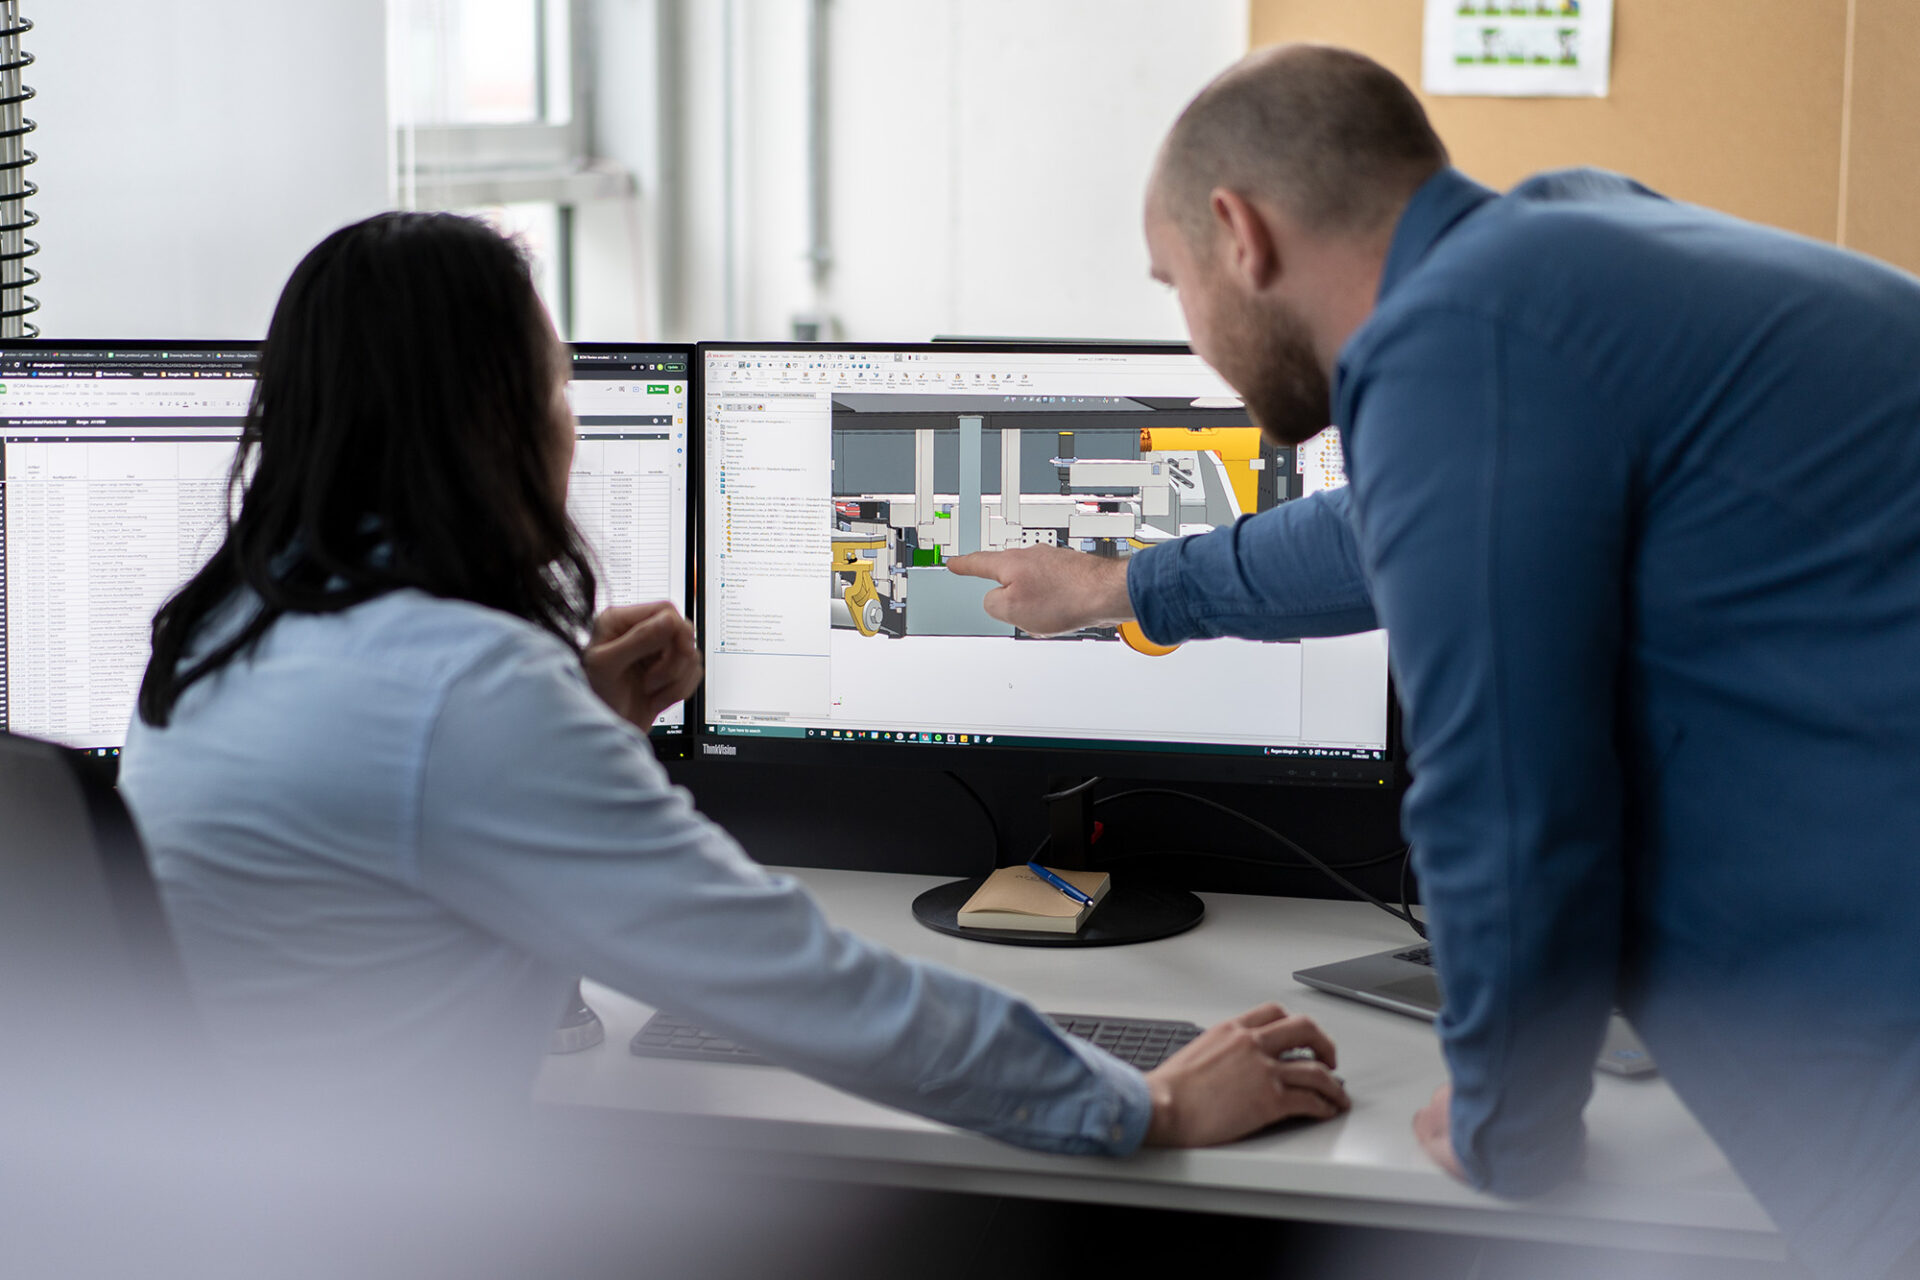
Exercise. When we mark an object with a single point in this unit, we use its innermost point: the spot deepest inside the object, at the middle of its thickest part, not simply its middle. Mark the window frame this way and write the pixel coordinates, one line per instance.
(465, 166)
(448, 165)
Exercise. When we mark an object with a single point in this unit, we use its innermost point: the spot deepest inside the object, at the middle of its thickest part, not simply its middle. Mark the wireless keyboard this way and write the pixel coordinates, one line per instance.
(1143, 1042)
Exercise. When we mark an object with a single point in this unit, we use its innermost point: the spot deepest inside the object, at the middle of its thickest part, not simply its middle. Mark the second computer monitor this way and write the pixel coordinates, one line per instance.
(838, 480)
(113, 484)
(628, 490)
(114, 461)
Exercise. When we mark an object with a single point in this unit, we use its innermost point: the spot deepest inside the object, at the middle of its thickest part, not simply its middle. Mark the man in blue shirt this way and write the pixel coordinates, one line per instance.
(1633, 487)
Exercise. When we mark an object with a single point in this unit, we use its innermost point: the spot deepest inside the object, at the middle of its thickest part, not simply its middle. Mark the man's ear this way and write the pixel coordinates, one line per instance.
(1253, 251)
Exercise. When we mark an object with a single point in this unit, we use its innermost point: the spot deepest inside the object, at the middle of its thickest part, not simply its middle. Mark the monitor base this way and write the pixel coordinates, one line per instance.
(1128, 914)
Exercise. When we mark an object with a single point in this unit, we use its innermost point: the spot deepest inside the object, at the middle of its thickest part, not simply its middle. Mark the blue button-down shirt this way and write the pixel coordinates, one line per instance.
(388, 839)
(1636, 490)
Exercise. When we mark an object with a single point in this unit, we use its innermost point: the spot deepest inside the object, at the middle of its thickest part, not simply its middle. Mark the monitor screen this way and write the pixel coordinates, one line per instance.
(628, 488)
(113, 473)
(838, 479)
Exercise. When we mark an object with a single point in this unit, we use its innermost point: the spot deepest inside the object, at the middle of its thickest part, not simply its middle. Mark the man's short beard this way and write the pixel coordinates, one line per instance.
(1286, 392)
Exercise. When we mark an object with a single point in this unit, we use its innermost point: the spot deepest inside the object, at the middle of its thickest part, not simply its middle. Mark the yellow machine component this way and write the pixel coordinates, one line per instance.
(1137, 641)
(1237, 446)
(862, 597)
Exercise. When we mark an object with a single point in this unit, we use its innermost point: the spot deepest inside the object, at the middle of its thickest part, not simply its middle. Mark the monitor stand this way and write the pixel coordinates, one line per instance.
(1129, 913)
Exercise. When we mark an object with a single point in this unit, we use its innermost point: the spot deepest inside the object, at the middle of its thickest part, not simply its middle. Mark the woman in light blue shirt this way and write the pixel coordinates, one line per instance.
(395, 782)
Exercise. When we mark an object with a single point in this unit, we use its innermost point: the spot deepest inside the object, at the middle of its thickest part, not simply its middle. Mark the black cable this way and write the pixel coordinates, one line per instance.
(1398, 914)
(1406, 897)
(1252, 860)
(999, 844)
(1068, 792)
(1209, 853)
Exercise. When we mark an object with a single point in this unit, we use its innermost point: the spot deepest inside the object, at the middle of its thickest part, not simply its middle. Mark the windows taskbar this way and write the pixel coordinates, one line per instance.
(899, 737)
(661, 731)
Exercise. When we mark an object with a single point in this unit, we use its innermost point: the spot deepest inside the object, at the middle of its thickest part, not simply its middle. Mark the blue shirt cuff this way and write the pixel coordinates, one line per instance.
(1154, 591)
(1108, 1117)
(1289, 572)
(1515, 1164)
(1113, 1122)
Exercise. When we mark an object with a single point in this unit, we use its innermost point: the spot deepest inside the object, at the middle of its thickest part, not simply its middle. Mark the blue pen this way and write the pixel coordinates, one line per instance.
(1060, 884)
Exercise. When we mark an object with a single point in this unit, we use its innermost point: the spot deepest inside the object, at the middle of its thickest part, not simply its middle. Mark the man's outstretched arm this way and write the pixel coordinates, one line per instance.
(1289, 572)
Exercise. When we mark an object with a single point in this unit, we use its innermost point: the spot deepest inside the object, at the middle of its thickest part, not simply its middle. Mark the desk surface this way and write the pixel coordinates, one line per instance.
(1653, 1177)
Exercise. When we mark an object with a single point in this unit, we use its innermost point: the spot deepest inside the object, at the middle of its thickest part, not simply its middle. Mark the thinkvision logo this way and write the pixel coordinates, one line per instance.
(718, 749)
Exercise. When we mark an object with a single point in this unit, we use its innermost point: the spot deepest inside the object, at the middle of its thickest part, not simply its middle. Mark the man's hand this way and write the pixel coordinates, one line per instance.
(1233, 1080)
(1046, 591)
(641, 659)
(1433, 1125)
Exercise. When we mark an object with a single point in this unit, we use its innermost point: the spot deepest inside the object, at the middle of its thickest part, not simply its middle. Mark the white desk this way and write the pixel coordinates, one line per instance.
(1653, 1178)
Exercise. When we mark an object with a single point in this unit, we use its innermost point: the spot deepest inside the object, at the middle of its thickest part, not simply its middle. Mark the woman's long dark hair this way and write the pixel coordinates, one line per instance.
(402, 434)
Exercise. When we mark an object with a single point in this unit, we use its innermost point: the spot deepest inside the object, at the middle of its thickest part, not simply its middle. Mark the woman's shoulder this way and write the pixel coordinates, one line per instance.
(428, 636)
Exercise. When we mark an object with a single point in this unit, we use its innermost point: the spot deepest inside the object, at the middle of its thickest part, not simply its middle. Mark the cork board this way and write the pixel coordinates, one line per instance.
(1736, 104)
(1881, 211)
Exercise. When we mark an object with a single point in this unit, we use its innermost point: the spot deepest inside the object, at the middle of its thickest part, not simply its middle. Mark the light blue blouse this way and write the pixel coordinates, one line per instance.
(390, 838)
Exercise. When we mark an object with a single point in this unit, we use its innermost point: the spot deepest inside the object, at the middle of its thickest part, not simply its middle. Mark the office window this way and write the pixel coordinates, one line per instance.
(489, 113)
(486, 62)
(486, 80)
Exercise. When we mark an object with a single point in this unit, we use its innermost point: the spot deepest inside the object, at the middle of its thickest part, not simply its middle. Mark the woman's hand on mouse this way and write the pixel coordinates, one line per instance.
(641, 659)
(1241, 1075)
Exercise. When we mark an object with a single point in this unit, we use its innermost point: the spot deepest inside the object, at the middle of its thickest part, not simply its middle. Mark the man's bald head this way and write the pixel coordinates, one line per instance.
(1330, 135)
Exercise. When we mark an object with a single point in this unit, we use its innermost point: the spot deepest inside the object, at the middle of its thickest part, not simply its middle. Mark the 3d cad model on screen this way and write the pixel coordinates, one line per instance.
(918, 479)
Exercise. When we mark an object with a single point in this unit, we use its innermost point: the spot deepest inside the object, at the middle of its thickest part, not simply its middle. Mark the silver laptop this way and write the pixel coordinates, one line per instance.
(1403, 980)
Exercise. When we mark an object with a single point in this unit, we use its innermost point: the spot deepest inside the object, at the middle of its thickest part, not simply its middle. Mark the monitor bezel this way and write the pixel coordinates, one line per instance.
(109, 757)
(670, 743)
(1386, 774)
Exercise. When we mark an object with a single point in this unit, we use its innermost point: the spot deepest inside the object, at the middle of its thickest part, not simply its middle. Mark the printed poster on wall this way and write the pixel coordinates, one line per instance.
(1518, 48)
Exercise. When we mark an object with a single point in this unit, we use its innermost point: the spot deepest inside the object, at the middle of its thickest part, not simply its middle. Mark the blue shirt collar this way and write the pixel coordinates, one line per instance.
(1436, 207)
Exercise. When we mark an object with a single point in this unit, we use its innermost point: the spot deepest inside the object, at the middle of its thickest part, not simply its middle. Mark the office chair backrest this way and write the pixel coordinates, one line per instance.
(82, 933)
(118, 1132)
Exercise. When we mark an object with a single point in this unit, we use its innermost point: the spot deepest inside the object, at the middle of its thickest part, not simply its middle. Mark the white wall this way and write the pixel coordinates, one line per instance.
(191, 152)
(987, 163)
(990, 159)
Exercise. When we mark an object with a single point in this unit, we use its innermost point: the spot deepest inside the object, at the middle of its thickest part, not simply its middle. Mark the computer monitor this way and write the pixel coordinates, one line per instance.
(628, 491)
(113, 481)
(837, 479)
(113, 472)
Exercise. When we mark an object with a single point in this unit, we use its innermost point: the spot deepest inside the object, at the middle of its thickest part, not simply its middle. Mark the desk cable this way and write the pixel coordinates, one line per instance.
(1403, 912)
(986, 810)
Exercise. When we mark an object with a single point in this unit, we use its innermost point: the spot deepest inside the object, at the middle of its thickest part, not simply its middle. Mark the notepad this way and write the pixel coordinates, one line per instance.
(1015, 898)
